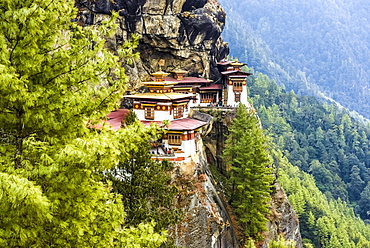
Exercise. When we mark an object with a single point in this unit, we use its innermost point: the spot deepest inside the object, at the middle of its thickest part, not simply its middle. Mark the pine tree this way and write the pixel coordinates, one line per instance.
(52, 74)
(250, 172)
(364, 203)
(144, 183)
(55, 77)
(130, 118)
(282, 243)
(27, 220)
(356, 185)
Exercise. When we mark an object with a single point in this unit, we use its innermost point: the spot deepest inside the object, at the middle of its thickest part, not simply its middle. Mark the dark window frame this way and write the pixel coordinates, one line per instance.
(149, 113)
(174, 139)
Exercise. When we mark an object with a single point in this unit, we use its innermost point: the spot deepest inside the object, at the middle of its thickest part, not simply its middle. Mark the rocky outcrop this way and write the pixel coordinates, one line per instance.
(206, 221)
(180, 33)
(214, 141)
(283, 220)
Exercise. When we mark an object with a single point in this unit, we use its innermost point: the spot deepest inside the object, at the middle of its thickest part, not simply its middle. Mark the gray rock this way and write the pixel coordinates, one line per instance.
(183, 33)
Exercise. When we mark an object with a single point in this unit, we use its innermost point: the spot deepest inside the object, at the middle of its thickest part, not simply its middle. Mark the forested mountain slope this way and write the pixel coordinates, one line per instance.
(310, 46)
(331, 153)
(321, 139)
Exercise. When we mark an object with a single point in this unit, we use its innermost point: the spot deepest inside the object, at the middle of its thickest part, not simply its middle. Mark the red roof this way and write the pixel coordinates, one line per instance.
(212, 87)
(115, 118)
(186, 80)
(184, 124)
(235, 71)
(182, 86)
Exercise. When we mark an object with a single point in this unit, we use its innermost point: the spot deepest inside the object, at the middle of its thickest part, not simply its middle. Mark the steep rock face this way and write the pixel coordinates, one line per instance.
(214, 142)
(183, 33)
(283, 220)
(206, 221)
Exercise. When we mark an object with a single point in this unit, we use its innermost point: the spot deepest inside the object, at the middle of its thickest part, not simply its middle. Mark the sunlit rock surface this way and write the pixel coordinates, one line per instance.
(183, 33)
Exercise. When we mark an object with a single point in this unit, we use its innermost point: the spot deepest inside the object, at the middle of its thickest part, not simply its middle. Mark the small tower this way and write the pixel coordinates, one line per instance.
(160, 76)
(178, 74)
(235, 82)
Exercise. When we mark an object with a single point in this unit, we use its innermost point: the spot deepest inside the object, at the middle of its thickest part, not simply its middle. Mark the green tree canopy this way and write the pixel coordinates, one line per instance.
(250, 166)
(145, 183)
(56, 81)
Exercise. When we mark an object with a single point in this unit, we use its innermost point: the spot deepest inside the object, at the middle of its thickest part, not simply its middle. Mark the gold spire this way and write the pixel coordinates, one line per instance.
(160, 75)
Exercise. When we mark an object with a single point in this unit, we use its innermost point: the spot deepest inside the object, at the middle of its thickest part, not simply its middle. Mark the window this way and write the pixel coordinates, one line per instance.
(174, 139)
(178, 112)
(238, 86)
(149, 113)
(207, 97)
(237, 97)
(175, 113)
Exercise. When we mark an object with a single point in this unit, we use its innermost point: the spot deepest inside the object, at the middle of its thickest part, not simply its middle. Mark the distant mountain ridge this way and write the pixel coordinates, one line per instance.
(317, 47)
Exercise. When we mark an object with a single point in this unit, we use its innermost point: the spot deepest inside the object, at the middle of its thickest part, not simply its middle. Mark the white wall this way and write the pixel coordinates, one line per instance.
(244, 96)
(160, 115)
(231, 96)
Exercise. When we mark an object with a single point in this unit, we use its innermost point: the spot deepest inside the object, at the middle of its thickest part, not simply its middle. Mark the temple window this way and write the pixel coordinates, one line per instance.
(178, 112)
(174, 139)
(207, 97)
(237, 86)
(149, 113)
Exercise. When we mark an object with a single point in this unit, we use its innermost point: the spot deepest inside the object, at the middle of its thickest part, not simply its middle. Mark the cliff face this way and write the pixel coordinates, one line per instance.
(283, 220)
(206, 221)
(182, 33)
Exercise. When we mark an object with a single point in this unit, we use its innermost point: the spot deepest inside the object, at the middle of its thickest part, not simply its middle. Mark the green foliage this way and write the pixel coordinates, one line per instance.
(56, 80)
(250, 172)
(127, 51)
(281, 243)
(143, 182)
(364, 203)
(326, 223)
(321, 139)
(52, 78)
(250, 243)
(326, 142)
(23, 212)
(141, 236)
(130, 118)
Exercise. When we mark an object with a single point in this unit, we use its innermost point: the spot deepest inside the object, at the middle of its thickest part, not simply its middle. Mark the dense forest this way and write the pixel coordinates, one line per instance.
(317, 47)
(330, 154)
